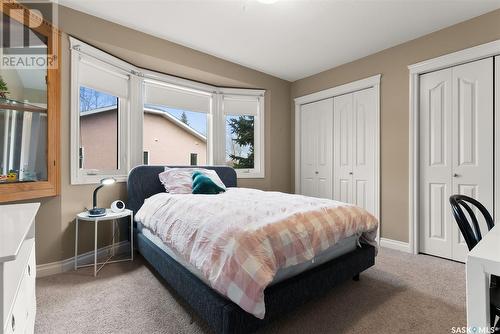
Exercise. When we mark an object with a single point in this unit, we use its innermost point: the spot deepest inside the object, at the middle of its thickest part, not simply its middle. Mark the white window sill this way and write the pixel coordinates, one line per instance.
(249, 175)
(96, 179)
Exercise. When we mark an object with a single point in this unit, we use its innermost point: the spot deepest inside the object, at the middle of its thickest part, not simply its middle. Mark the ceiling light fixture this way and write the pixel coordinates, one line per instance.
(267, 2)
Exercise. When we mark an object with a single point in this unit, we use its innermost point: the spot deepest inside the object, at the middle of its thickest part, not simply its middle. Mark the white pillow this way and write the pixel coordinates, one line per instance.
(214, 177)
(180, 180)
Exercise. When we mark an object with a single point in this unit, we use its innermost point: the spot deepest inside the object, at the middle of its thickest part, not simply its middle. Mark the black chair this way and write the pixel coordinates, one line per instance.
(472, 235)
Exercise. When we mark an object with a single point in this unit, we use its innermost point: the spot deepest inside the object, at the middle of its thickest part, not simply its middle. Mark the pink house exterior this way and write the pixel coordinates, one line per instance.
(171, 142)
(99, 139)
(167, 140)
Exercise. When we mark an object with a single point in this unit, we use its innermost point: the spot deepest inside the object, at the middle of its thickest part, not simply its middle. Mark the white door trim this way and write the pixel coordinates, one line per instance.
(339, 90)
(373, 81)
(456, 58)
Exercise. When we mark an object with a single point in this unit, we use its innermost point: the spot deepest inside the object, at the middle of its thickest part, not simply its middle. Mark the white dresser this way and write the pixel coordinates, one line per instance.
(17, 267)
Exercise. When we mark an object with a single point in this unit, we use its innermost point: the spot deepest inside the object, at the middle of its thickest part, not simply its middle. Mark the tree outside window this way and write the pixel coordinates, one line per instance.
(240, 141)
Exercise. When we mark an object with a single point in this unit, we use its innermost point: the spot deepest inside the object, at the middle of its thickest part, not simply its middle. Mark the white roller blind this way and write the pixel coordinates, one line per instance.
(102, 77)
(240, 105)
(178, 98)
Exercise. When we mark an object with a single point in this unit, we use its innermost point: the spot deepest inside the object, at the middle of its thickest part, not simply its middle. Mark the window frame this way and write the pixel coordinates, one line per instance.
(81, 52)
(169, 81)
(259, 134)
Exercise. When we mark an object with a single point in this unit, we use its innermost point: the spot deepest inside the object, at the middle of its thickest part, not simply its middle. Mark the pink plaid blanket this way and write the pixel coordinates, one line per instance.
(238, 240)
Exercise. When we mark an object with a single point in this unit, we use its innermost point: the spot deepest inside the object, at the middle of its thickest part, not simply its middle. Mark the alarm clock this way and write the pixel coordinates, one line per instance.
(117, 206)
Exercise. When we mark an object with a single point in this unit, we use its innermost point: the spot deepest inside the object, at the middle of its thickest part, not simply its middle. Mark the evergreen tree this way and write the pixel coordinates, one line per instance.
(184, 118)
(243, 128)
(4, 90)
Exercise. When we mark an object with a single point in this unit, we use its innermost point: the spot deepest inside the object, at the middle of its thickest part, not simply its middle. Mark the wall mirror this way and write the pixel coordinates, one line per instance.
(29, 104)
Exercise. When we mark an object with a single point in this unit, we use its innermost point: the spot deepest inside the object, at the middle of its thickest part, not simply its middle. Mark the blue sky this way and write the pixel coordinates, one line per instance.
(92, 99)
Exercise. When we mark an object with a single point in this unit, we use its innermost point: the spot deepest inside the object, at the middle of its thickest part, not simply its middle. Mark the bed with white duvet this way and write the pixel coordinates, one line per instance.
(244, 240)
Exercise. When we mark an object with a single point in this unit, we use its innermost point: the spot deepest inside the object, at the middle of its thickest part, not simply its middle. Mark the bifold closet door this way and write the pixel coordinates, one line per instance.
(435, 162)
(316, 148)
(354, 148)
(456, 151)
(363, 159)
(342, 147)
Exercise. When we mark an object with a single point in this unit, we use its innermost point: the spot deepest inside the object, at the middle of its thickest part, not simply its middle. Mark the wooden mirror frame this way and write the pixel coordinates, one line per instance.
(30, 190)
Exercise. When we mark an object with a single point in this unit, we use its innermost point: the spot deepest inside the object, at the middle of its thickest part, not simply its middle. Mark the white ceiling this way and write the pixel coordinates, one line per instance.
(287, 39)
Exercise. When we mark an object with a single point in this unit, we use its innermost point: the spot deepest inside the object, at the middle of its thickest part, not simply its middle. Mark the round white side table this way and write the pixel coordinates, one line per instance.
(110, 216)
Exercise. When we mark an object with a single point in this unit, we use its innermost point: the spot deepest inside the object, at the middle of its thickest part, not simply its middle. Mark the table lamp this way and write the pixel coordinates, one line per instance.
(95, 211)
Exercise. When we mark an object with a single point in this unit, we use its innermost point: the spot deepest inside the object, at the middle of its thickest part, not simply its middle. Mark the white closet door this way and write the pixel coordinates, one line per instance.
(435, 162)
(363, 158)
(308, 140)
(456, 151)
(473, 140)
(324, 148)
(343, 148)
(316, 148)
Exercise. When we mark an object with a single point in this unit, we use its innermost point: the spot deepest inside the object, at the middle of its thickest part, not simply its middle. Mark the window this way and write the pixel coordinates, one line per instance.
(183, 122)
(145, 158)
(194, 159)
(100, 126)
(242, 112)
(176, 124)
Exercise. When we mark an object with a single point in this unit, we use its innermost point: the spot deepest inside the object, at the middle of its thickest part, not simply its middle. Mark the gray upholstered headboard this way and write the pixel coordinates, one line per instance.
(143, 182)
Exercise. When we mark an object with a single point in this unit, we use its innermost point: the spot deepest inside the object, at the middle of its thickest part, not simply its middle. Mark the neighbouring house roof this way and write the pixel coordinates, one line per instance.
(97, 110)
(177, 122)
(152, 111)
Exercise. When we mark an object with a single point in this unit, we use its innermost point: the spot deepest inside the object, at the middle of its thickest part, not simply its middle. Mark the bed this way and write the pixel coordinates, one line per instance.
(289, 288)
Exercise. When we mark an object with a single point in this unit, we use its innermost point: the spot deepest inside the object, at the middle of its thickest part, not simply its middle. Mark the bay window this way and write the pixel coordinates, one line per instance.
(124, 116)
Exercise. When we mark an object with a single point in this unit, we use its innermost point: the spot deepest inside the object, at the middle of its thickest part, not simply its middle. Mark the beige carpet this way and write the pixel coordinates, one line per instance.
(403, 293)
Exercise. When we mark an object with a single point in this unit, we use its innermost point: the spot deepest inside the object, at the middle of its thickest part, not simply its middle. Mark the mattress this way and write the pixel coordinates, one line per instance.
(342, 247)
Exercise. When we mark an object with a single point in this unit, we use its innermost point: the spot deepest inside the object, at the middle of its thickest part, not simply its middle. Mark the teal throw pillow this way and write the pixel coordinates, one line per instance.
(202, 184)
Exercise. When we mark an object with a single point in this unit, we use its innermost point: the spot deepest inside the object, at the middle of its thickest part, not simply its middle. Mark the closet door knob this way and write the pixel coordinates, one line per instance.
(13, 323)
(316, 172)
(350, 173)
(456, 175)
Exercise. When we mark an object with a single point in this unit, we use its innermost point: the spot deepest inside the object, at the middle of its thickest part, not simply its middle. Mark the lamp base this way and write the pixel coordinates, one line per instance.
(97, 212)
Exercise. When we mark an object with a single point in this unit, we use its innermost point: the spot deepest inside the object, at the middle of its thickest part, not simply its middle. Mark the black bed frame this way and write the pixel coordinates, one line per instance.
(221, 314)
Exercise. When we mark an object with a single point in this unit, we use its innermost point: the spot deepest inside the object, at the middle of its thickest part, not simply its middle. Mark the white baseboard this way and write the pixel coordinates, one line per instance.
(395, 244)
(85, 258)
